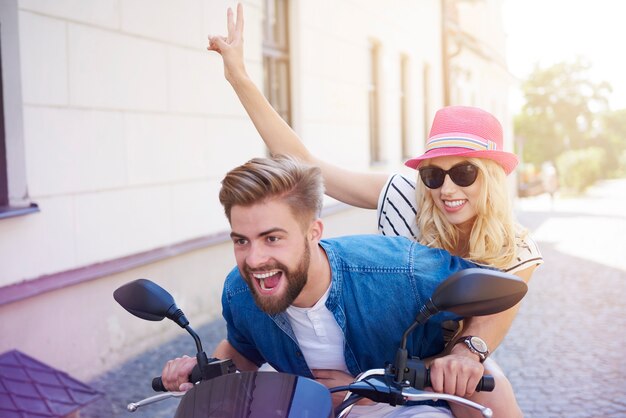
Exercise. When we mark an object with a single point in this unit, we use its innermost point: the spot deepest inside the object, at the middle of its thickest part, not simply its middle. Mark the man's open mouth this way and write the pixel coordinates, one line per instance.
(268, 281)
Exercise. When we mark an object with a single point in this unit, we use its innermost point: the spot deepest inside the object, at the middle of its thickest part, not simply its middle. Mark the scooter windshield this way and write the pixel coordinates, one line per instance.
(256, 395)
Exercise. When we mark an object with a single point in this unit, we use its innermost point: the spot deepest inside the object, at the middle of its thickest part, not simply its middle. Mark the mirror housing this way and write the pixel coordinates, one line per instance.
(469, 292)
(478, 291)
(147, 300)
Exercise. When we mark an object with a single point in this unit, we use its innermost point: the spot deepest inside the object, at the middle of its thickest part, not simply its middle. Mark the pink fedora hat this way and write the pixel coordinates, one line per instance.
(466, 132)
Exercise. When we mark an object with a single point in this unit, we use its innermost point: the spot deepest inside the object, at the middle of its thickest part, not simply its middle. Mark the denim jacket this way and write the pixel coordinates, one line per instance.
(378, 285)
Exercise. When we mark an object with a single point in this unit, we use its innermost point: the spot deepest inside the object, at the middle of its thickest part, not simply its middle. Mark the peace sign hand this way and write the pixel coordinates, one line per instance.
(231, 47)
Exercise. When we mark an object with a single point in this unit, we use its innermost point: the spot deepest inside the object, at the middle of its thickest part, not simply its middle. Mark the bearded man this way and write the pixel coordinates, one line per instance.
(323, 309)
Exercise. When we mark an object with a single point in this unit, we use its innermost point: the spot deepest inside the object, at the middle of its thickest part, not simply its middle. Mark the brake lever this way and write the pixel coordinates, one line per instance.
(373, 384)
(407, 393)
(412, 394)
(133, 406)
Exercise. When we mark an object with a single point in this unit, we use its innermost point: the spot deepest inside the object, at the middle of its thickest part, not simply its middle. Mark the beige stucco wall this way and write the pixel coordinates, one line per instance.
(483, 80)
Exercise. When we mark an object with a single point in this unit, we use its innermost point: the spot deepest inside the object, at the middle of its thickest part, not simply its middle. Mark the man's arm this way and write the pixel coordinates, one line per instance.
(225, 350)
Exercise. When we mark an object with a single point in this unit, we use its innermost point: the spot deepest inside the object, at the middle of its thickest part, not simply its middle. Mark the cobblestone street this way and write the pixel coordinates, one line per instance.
(565, 351)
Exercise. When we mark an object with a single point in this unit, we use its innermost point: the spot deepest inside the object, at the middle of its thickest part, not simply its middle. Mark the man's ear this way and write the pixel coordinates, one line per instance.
(315, 230)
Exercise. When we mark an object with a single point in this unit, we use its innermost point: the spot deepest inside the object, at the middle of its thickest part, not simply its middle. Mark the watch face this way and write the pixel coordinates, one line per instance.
(478, 344)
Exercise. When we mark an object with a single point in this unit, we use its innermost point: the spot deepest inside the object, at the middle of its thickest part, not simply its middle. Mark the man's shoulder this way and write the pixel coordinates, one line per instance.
(369, 250)
(384, 252)
(356, 243)
(359, 243)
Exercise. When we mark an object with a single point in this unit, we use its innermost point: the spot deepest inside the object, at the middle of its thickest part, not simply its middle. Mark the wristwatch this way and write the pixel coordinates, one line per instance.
(476, 345)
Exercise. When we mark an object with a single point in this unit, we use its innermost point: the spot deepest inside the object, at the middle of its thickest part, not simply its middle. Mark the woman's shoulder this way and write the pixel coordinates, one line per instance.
(398, 189)
(527, 252)
(397, 207)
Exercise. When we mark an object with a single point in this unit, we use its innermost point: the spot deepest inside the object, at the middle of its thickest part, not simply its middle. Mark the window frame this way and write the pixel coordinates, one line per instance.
(14, 199)
(374, 90)
(405, 105)
(276, 57)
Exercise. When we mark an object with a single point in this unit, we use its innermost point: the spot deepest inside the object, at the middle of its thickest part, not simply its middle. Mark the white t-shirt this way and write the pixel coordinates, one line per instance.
(397, 210)
(319, 336)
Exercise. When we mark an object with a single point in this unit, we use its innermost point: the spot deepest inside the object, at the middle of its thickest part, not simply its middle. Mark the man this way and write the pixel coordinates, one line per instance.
(325, 309)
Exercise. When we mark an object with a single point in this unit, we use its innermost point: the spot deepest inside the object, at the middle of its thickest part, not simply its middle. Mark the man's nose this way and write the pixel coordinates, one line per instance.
(257, 256)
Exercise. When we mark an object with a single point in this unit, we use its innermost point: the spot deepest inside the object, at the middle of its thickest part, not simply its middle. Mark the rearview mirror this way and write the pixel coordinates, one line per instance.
(476, 292)
(145, 299)
(469, 292)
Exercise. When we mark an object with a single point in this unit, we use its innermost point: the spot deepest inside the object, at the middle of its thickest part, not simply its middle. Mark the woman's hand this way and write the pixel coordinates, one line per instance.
(231, 47)
(457, 373)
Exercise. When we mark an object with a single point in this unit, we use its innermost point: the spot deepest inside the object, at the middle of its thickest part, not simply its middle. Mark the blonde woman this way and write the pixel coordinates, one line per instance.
(460, 203)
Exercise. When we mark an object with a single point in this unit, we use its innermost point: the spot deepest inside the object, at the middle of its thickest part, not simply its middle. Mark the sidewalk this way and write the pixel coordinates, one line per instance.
(564, 352)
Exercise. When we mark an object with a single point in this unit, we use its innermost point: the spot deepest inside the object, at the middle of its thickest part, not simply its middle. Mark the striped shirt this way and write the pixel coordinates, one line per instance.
(397, 215)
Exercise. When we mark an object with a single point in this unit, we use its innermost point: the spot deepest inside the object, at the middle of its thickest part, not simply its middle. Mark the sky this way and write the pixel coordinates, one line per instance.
(551, 31)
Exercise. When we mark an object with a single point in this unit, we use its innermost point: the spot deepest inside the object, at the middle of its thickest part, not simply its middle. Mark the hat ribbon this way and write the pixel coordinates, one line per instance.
(460, 142)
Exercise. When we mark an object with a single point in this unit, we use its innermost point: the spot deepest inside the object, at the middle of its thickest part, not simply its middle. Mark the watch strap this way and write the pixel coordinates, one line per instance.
(481, 352)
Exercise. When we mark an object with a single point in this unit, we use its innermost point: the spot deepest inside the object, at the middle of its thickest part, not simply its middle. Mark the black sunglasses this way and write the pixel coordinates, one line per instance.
(463, 174)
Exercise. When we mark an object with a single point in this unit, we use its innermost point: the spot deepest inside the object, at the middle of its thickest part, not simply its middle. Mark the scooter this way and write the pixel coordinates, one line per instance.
(221, 391)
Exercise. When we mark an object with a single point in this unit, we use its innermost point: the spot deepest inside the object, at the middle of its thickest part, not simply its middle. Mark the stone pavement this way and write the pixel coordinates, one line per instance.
(565, 351)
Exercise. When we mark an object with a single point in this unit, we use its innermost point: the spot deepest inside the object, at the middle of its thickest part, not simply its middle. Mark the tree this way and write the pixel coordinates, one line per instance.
(612, 137)
(561, 111)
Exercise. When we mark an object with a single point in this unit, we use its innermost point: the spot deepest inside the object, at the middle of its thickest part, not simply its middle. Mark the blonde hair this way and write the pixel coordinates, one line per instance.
(279, 177)
(492, 238)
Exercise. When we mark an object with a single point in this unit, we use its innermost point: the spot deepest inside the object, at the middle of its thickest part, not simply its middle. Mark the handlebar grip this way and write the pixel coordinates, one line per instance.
(487, 383)
(157, 385)
(194, 377)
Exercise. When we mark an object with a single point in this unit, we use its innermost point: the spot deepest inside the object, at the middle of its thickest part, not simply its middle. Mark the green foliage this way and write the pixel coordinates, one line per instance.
(579, 169)
(612, 137)
(621, 171)
(561, 111)
(566, 119)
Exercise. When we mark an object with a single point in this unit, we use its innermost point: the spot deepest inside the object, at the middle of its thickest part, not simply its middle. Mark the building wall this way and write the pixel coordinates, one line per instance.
(332, 73)
(129, 125)
(482, 79)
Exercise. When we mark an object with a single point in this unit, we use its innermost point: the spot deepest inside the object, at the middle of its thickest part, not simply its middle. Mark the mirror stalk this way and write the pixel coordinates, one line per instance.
(196, 338)
(429, 309)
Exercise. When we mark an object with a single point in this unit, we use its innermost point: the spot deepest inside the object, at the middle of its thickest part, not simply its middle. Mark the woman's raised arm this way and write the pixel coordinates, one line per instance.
(353, 188)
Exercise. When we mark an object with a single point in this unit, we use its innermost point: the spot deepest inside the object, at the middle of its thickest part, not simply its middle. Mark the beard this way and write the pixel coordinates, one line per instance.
(296, 280)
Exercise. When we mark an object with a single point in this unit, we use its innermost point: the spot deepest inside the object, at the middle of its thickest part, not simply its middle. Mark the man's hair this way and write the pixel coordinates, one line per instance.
(261, 179)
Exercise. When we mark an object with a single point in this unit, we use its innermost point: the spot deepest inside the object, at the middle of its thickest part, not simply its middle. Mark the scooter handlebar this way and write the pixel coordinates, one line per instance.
(194, 377)
(487, 383)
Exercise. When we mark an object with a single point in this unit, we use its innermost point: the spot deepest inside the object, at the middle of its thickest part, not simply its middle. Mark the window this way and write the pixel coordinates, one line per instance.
(374, 104)
(405, 135)
(4, 185)
(13, 192)
(426, 99)
(276, 80)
